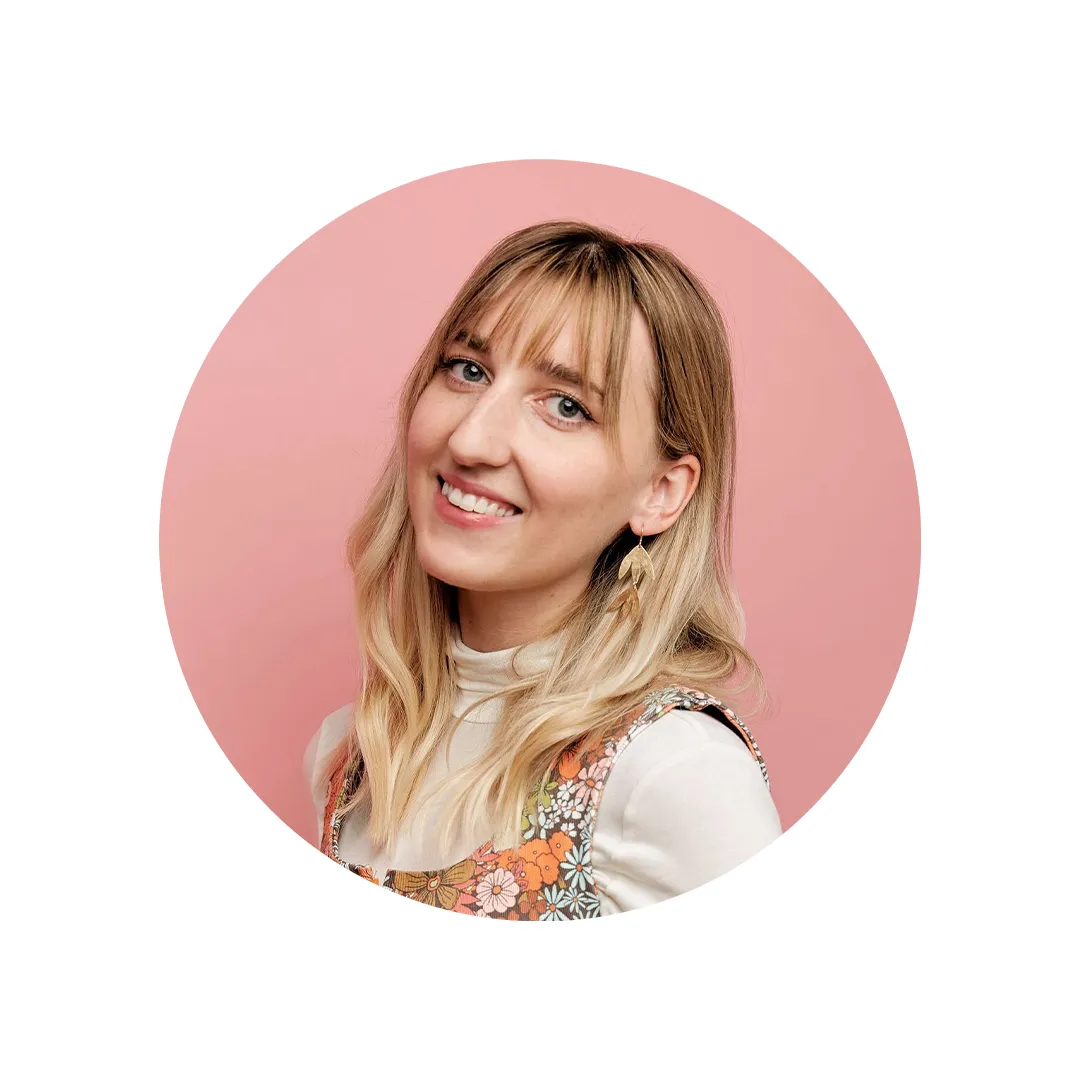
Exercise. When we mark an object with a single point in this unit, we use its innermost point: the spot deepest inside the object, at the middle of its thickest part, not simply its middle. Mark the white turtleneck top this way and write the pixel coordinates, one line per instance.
(684, 803)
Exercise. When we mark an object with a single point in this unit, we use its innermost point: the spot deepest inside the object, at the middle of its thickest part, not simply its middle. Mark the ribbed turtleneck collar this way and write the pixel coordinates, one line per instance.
(484, 672)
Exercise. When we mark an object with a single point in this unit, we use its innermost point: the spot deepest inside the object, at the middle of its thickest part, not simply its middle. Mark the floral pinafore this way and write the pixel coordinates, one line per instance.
(549, 876)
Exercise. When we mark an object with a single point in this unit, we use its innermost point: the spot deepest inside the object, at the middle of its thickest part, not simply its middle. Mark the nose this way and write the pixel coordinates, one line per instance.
(484, 435)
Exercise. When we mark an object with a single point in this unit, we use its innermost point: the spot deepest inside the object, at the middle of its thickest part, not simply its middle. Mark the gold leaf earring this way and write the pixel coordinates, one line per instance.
(639, 566)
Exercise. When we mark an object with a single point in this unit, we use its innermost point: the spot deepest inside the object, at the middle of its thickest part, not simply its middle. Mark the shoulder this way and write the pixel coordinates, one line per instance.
(323, 743)
(684, 802)
(688, 740)
(687, 770)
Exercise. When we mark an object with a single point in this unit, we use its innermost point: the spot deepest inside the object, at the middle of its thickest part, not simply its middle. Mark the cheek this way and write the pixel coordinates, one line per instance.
(581, 488)
(423, 434)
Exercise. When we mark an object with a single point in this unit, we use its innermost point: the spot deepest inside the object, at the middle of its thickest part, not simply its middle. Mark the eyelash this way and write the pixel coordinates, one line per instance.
(445, 363)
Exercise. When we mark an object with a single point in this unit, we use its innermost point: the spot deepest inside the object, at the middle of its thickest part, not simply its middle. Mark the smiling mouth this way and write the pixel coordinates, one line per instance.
(481, 501)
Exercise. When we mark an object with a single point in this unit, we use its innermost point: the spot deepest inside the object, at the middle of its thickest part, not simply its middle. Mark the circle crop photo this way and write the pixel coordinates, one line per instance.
(539, 540)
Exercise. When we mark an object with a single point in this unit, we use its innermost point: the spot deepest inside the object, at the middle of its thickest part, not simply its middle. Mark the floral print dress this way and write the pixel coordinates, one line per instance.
(549, 876)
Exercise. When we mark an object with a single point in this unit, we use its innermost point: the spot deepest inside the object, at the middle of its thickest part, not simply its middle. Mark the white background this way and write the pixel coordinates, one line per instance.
(160, 159)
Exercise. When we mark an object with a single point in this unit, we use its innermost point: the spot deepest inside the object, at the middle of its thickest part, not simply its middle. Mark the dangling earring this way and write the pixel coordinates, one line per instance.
(639, 566)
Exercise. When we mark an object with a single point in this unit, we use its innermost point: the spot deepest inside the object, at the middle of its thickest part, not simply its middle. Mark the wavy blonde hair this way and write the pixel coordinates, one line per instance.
(691, 625)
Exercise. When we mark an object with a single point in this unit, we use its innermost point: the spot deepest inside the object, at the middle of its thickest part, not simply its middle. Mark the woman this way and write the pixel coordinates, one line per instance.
(545, 603)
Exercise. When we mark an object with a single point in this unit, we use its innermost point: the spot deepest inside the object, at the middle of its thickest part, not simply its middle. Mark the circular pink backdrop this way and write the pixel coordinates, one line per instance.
(291, 416)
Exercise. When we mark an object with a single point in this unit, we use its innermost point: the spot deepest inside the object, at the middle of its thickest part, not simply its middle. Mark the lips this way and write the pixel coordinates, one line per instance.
(468, 520)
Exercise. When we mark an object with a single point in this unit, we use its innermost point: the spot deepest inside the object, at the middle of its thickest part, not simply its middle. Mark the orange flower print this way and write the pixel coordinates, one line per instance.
(527, 875)
(560, 844)
(548, 866)
(531, 851)
(531, 906)
(568, 765)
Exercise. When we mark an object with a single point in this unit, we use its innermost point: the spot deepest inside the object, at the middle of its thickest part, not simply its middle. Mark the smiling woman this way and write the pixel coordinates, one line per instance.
(549, 630)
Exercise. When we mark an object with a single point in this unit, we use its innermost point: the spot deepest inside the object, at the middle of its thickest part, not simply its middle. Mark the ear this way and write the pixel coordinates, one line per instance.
(667, 493)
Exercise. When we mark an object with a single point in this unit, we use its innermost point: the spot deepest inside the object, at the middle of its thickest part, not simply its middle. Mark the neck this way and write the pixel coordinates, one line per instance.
(503, 620)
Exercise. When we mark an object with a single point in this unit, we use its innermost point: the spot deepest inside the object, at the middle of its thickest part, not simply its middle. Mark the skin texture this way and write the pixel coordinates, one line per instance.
(513, 429)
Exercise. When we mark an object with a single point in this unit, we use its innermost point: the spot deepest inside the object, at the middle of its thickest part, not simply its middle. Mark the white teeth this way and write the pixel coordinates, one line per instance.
(473, 504)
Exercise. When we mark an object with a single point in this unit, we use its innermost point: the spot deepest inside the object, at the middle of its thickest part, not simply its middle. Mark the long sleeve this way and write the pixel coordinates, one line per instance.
(322, 744)
(685, 802)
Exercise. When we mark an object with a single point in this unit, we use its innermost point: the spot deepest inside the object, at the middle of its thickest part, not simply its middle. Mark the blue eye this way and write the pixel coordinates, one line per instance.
(575, 406)
(450, 362)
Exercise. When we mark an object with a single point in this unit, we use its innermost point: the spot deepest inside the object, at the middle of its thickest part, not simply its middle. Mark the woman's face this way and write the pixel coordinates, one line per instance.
(533, 440)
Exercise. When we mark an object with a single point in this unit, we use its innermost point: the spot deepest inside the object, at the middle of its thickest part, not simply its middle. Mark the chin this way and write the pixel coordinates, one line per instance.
(458, 579)
(448, 568)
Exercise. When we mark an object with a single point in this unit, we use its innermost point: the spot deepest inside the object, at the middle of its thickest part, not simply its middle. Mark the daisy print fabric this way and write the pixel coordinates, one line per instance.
(547, 878)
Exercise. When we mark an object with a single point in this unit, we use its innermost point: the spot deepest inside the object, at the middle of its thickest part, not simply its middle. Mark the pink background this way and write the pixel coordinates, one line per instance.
(290, 417)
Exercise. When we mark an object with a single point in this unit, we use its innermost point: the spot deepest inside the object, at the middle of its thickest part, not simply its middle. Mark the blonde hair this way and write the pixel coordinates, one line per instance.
(691, 627)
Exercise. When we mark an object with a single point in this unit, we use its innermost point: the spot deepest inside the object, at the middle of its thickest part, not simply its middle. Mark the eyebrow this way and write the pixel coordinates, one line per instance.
(552, 368)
